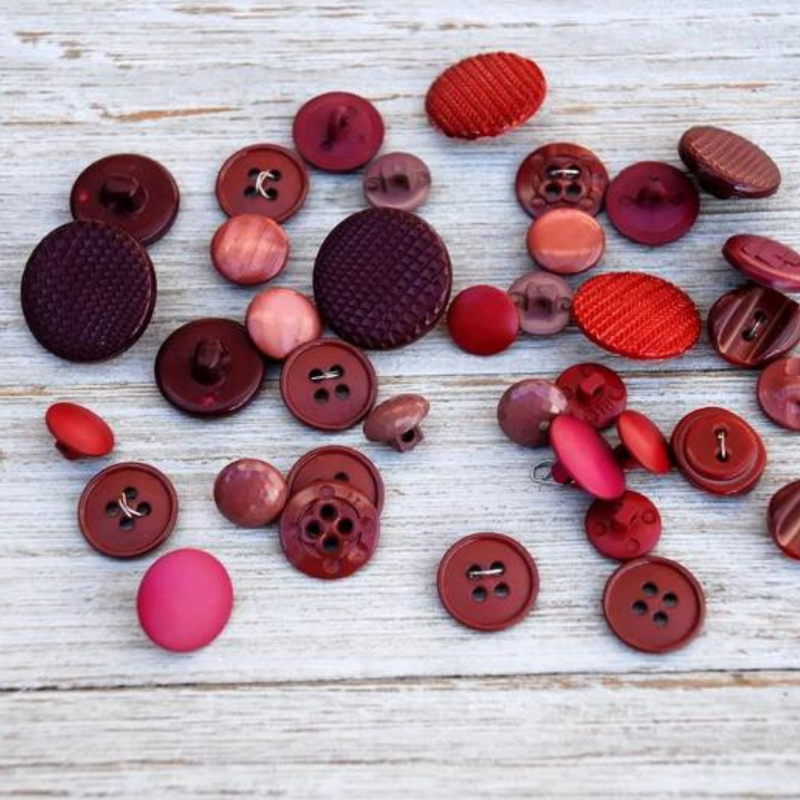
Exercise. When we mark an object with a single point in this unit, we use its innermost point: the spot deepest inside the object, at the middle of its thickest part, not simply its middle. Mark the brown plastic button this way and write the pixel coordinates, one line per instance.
(397, 180)
(543, 302)
(526, 410)
(764, 261)
(654, 605)
(779, 392)
(249, 249)
(642, 443)
(79, 432)
(625, 528)
(566, 241)
(783, 518)
(596, 394)
(397, 421)
(250, 492)
(128, 510)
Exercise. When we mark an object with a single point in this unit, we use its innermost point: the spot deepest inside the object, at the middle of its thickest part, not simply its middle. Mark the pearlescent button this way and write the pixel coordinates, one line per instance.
(249, 249)
(279, 320)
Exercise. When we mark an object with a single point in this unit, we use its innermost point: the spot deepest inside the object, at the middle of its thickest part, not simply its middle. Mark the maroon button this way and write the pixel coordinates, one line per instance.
(280, 319)
(209, 367)
(561, 175)
(642, 443)
(128, 510)
(625, 528)
(483, 320)
(596, 394)
(329, 530)
(262, 179)
(779, 392)
(328, 384)
(764, 261)
(654, 605)
(783, 518)
(396, 421)
(543, 302)
(79, 432)
(338, 131)
(488, 581)
(397, 180)
(718, 452)
(526, 410)
(249, 249)
(566, 241)
(250, 492)
(88, 291)
(753, 325)
(652, 203)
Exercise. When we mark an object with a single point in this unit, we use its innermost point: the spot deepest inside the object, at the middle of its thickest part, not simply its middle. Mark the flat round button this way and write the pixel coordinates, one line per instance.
(328, 384)
(526, 410)
(596, 394)
(329, 530)
(128, 510)
(783, 517)
(209, 367)
(185, 600)
(397, 180)
(262, 179)
(488, 581)
(250, 493)
(134, 192)
(652, 203)
(543, 302)
(625, 528)
(79, 432)
(483, 320)
(764, 261)
(779, 392)
(566, 241)
(718, 452)
(249, 249)
(338, 131)
(643, 443)
(279, 320)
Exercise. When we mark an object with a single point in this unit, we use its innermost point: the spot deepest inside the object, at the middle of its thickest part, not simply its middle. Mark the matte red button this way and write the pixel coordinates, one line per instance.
(397, 421)
(783, 517)
(643, 443)
(543, 302)
(764, 261)
(79, 432)
(250, 493)
(397, 180)
(249, 249)
(279, 320)
(488, 581)
(779, 392)
(526, 410)
(596, 394)
(625, 528)
(483, 320)
(566, 241)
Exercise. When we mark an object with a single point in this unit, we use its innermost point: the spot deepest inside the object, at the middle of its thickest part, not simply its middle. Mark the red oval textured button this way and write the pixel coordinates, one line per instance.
(249, 249)
(625, 528)
(764, 261)
(483, 320)
(783, 517)
(250, 492)
(642, 443)
(779, 392)
(79, 432)
(595, 393)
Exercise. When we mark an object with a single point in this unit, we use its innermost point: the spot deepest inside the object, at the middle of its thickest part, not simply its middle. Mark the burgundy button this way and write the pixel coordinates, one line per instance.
(397, 180)
(652, 203)
(338, 131)
(784, 519)
(625, 528)
(654, 605)
(764, 261)
(88, 291)
(642, 443)
(279, 320)
(596, 394)
(488, 581)
(209, 367)
(131, 191)
(779, 392)
(250, 492)
(329, 530)
(262, 179)
(128, 510)
(753, 325)
(718, 451)
(328, 384)
(526, 410)
(566, 241)
(483, 320)
(396, 421)
(543, 302)
(249, 249)
(561, 175)
(79, 432)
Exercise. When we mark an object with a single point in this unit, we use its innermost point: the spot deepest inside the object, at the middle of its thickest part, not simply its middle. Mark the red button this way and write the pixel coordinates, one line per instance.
(643, 443)
(397, 180)
(566, 241)
(764, 261)
(779, 392)
(397, 421)
(249, 249)
(79, 432)
(784, 519)
(250, 492)
(543, 302)
(596, 394)
(526, 410)
(625, 528)
(483, 320)
(279, 320)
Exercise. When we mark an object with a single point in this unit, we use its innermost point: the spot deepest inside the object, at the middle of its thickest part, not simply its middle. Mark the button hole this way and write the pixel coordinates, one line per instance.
(313, 529)
(130, 493)
(639, 607)
(321, 396)
(408, 436)
(650, 589)
(126, 524)
(479, 594)
(660, 619)
(112, 508)
(328, 512)
(254, 173)
(330, 543)
(345, 526)
(502, 591)
(144, 509)
(342, 477)
(670, 600)
(343, 391)
(250, 191)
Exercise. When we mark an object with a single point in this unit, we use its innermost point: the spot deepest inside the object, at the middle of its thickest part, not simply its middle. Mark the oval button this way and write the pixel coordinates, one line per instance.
(625, 528)
(526, 410)
(566, 241)
(643, 443)
(596, 394)
(764, 261)
(779, 392)
(783, 517)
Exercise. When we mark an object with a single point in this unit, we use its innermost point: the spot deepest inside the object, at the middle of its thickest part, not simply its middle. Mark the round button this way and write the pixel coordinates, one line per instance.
(483, 320)
(566, 241)
(280, 320)
(596, 394)
(262, 179)
(338, 131)
(652, 203)
(543, 302)
(783, 517)
(654, 605)
(249, 249)
(209, 367)
(128, 510)
(79, 432)
(643, 442)
(526, 410)
(328, 384)
(764, 261)
(397, 421)
(329, 530)
(718, 452)
(250, 492)
(397, 180)
(779, 392)
(488, 581)
(625, 528)
(185, 600)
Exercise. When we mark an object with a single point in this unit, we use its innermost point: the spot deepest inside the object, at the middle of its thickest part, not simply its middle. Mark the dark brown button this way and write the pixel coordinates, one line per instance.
(397, 180)
(784, 519)
(642, 443)
(397, 420)
(262, 179)
(764, 261)
(249, 492)
(526, 410)
(718, 452)
(625, 528)
(779, 392)
(753, 325)
(328, 384)
(596, 394)
(128, 510)
(543, 302)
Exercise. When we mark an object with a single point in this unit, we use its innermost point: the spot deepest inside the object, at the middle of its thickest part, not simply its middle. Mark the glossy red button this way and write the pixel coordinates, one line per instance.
(249, 249)
(250, 492)
(764, 261)
(185, 600)
(483, 320)
(596, 394)
(625, 528)
(643, 443)
(526, 410)
(79, 432)
(397, 421)
(783, 517)
(279, 320)
(566, 241)
(543, 302)
(397, 180)
(779, 392)
(488, 581)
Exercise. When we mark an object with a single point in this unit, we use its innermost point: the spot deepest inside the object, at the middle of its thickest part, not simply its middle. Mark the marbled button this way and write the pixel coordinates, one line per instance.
(595, 393)
(249, 249)
(280, 320)
(566, 241)
(783, 518)
(543, 302)
(397, 180)
(779, 392)
(526, 410)
(764, 261)
(250, 492)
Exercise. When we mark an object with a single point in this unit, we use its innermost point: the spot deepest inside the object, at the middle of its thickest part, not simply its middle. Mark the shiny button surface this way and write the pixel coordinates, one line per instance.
(566, 241)
(483, 320)
(595, 393)
(250, 492)
(249, 249)
(764, 261)
(625, 528)
(642, 443)
(397, 421)
(279, 320)
(78, 431)
(779, 392)
(526, 410)
(783, 517)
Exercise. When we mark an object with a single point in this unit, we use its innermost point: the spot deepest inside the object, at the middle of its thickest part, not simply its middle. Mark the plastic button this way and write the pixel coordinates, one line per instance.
(764, 261)
(642, 443)
(397, 421)
(280, 320)
(779, 392)
(526, 410)
(79, 432)
(566, 241)
(625, 528)
(483, 320)
(397, 180)
(596, 394)
(249, 249)
(783, 517)
(543, 302)
(250, 492)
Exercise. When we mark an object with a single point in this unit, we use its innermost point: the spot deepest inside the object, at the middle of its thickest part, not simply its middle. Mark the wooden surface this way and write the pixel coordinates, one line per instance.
(365, 688)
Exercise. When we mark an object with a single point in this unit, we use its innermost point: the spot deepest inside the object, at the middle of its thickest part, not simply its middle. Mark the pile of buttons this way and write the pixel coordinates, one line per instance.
(382, 279)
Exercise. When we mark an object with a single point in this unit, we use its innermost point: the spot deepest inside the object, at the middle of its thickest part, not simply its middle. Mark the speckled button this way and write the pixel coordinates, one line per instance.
(783, 517)
(483, 320)
(249, 249)
(79, 432)
(779, 392)
(566, 241)
(764, 261)
(625, 528)
(642, 443)
(526, 410)
(397, 180)
(543, 302)
(595, 393)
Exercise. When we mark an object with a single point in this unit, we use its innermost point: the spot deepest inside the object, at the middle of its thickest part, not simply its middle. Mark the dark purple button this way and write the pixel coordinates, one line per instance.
(764, 261)
(526, 410)
(397, 180)
(249, 492)
(543, 302)
(779, 392)
(596, 394)
(625, 528)
(783, 517)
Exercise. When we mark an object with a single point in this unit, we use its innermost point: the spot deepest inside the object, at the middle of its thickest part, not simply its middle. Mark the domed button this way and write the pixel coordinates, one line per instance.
(483, 320)
(250, 492)
(642, 443)
(397, 421)
(566, 241)
(279, 320)
(625, 528)
(764, 261)
(543, 302)
(783, 517)
(79, 432)
(397, 180)
(779, 392)
(249, 249)
(596, 394)
(526, 410)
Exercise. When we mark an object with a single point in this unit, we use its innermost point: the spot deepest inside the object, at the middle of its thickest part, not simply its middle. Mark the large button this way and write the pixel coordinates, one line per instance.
(88, 291)
(625, 528)
(249, 249)
(128, 510)
(250, 493)
(279, 320)
(135, 192)
(783, 518)
(397, 421)
(209, 367)
(483, 320)
(397, 180)
(488, 581)
(654, 605)
(338, 131)
(779, 392)
(526, 410)
(79, 432)
(329, 530)
(642, 443)
(262, 179)
(596, 394)
(718, 451)
(543, 302)
(328, 384)
(764, 261)
(566, 241)
(652, 203)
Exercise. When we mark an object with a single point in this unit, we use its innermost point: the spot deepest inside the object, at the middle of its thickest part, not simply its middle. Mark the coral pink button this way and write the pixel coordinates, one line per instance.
(483, 320)
(249, 249)
(185, 600)
(280, 320)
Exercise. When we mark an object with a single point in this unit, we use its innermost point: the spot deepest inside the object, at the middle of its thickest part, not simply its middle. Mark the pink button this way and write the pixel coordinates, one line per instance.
(280, 320)
(249, 249)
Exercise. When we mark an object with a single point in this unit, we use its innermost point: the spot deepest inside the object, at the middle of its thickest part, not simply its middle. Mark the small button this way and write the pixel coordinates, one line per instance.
(642, 443)
(526, 410)
(566, 241)
(543, 302)
(338, 131)
(783, 517)
(249, 249)
(718, 452)
(625, 528)
(280, 320)
(397, 180)
(779, 392)
(483, 320)
(328, 384)
(596, 394)
(764, 261)
(654, 605)
(329, 530)
(185, 600)
(397, 421)
(79, 432)
(262, 179)
(128, 510)
(209, 367)
(250, 492)
(488, 581)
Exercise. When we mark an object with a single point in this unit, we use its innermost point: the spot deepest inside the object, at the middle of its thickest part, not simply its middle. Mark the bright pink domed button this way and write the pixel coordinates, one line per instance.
(185, 600)
(483, 320)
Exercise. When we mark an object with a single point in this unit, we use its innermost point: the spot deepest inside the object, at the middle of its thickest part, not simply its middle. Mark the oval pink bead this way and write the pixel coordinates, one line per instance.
(249, 249)
(280, 320)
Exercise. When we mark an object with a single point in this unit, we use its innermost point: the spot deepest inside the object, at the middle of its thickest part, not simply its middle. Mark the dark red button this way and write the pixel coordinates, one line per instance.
(249, 249)
(209, 367)
(128, 510)
(488, 581)
(397, 180)
(566, 241)
(483, 320)
(596, 394)
(764, 261)
(397, 421)
(338, 131)
(779, 392)
(543, 302)
(250, 493)
(625, 528)
(642, 443)
(526, 410)
(783, 517)
(654, 605)
(79, 432)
